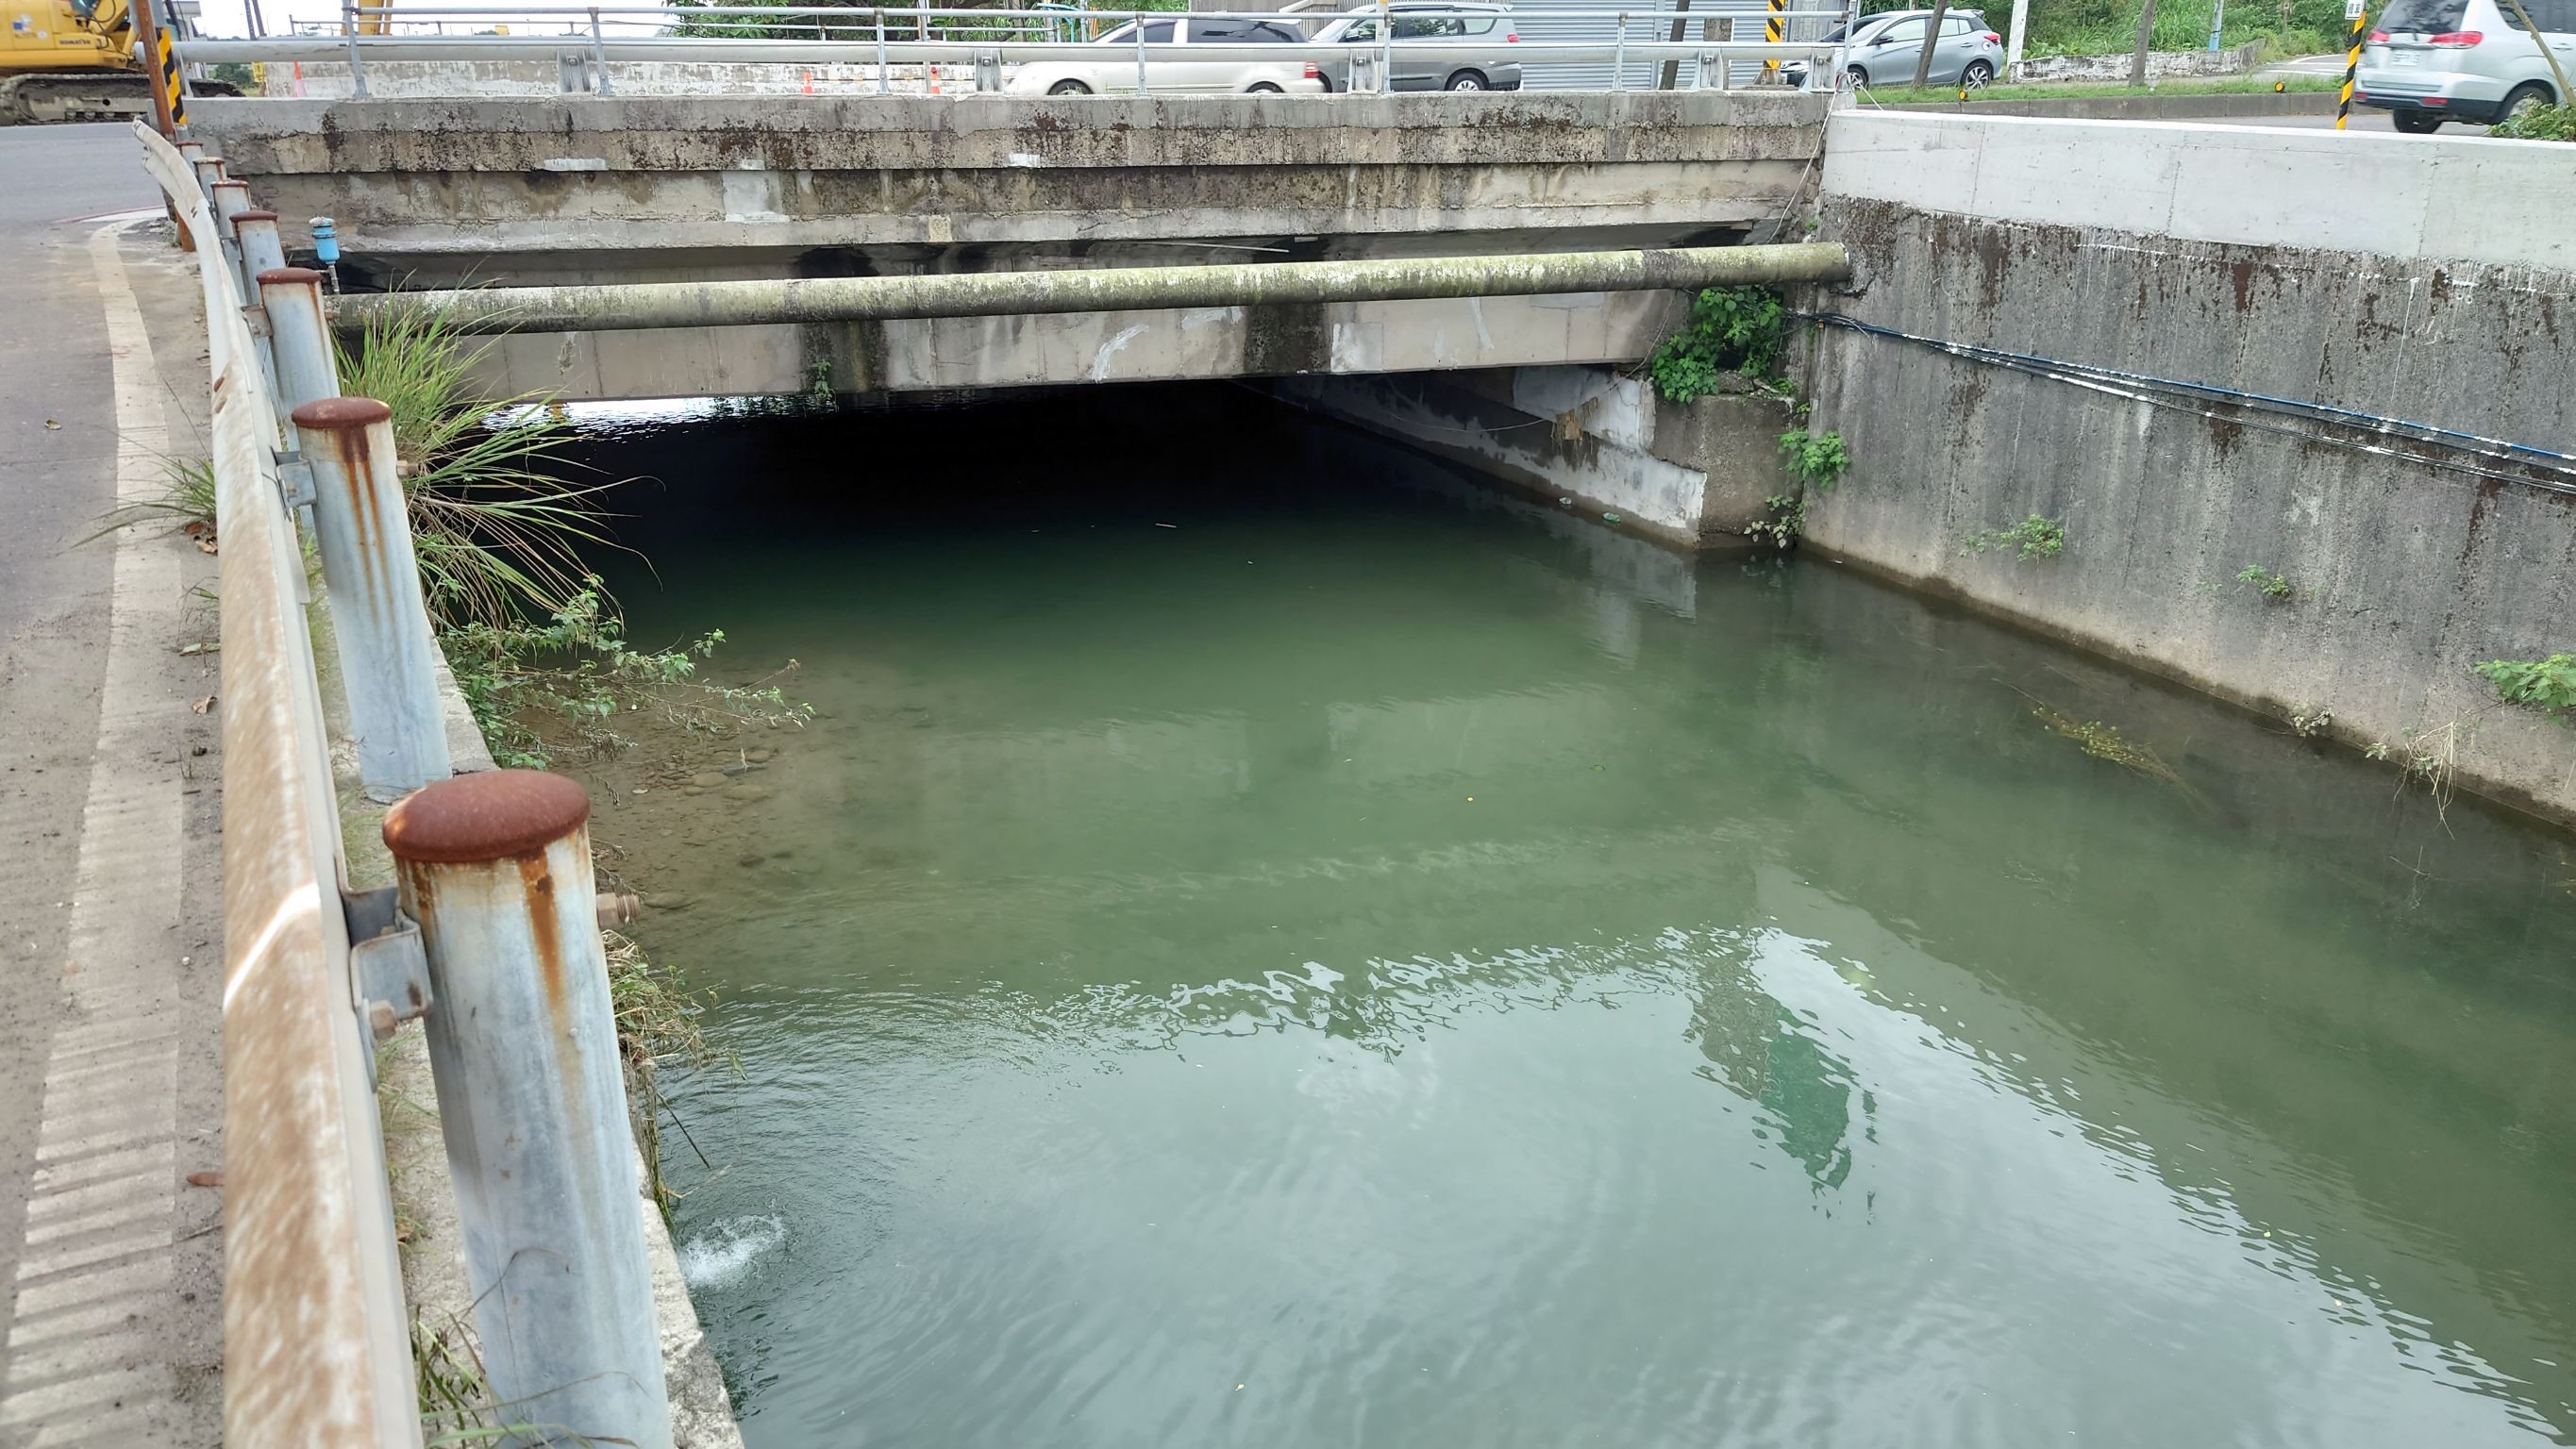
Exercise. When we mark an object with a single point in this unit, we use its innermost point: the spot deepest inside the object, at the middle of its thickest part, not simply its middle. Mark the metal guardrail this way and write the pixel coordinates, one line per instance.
(988, 41)
(317, 1341)
(495, 915)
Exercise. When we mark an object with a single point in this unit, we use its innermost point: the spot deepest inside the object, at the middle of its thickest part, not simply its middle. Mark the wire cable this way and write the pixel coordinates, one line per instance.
(2532, 466)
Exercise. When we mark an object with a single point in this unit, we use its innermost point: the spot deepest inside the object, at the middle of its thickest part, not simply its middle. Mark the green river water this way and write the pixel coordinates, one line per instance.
(1270, 944)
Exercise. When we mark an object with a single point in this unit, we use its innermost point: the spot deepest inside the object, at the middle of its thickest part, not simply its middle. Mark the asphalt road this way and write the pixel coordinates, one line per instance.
(110, 947)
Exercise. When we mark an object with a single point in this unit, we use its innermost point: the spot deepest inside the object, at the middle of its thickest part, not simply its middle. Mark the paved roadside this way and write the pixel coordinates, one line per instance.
(110, 944)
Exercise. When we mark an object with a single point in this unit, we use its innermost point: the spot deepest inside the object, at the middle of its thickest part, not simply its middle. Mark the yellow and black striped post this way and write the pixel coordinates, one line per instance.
(174, 96)
(1771, 32)
(2351, 60)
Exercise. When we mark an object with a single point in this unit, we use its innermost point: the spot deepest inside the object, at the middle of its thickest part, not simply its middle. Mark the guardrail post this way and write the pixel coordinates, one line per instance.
(262, 250)
(363, 532)
(297, 336)
(523, 1043)
(210, 169)
(232, 198)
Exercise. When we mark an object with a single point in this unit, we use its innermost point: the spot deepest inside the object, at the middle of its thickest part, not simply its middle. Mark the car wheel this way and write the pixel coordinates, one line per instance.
(2415, 123)
(2524, 97)
(1068, 88)
(1978, 75)
(1859, 78)
(1465, 80)
(1265, 88)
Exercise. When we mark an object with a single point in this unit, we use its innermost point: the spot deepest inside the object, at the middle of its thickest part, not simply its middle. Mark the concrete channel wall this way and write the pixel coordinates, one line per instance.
(584, 188)
(2428, 280)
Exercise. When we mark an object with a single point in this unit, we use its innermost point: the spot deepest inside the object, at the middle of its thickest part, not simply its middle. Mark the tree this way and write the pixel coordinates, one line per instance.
(1931, 38)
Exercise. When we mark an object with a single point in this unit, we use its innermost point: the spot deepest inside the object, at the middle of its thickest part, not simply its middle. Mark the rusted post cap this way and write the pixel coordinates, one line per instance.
(253, 214)
(492, 815)
(285, 276)
(339, 414)
(228, 181)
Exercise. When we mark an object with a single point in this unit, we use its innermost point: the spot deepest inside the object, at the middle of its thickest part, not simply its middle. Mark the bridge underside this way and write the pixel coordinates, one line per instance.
(964, 353)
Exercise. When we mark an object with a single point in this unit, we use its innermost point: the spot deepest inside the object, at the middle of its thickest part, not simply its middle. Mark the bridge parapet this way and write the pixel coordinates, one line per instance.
(597, 189)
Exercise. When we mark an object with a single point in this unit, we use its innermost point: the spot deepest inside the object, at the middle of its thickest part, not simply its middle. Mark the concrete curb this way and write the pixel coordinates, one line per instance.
(2143, 108)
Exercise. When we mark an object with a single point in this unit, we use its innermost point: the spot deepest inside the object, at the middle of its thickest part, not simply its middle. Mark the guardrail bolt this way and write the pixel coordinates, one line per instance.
(531, 1096)
(362, 527)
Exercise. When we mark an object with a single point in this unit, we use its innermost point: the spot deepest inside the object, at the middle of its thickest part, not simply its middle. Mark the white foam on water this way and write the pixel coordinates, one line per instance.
(728, 1248)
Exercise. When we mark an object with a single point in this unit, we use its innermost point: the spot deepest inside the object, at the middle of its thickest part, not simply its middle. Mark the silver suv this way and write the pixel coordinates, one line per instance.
(1479, 32)
(2432, 61)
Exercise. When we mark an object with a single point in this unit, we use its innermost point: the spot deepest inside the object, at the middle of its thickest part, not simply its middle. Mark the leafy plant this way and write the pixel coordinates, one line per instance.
(1817, 460)
(1787, 523)
(2310, 720)
(2035, 537)
(535, 687)
(2265, 582)
(1731, 329)
(2538, 123)
(2548, 685)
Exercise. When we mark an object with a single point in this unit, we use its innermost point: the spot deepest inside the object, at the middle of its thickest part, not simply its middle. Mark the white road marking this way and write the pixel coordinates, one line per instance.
(95, 1277)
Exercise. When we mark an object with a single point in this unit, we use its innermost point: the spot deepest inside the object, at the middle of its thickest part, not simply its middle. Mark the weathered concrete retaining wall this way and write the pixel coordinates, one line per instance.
(2161, 64)
(787, 186)
(2403, 576)
(1593, 440)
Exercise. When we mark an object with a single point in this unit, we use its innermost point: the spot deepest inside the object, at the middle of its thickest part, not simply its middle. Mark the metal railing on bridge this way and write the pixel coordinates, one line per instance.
(899, 46)
(492, 936)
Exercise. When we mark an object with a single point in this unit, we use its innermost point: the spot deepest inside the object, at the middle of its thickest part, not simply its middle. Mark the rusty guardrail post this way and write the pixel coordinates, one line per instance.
(388, 661)
(262, 250)
(496, 869)
(232, 198)
(301, 340)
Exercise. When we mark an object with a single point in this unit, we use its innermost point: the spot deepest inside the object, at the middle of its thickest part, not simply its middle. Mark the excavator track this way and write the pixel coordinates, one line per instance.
(45, 98)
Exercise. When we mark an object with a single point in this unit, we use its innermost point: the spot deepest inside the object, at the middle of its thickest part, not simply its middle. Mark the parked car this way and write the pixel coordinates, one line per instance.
(1170, 66)
(1479, 31)
(1885, 47)
(2432, 61)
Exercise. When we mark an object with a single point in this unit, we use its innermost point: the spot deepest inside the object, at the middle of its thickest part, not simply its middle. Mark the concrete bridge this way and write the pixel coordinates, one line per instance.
(685, 189)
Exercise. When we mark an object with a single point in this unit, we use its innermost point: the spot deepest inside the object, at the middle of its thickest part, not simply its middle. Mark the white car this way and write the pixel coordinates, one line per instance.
(2432, 61)
(1169, 66)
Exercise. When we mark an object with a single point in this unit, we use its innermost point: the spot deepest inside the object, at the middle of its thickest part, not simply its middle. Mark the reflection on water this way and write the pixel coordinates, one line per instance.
(1266, 945)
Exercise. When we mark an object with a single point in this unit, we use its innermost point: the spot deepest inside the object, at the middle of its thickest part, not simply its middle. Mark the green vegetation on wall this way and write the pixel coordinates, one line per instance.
(2547, 684)
(1731, 329)
(2035, 537)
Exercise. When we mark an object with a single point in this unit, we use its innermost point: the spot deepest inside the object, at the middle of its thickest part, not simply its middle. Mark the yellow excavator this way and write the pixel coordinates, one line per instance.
(74, 60)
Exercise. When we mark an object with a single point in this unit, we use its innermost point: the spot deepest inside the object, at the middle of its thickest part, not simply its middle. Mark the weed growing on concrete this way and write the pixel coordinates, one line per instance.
(1787, 523)
(2273, 587)
(2034, 537)
(1817, 462)
(187, 499)
(2310, 720)
(1731, 329)
(571, 680)
(2547, 685)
